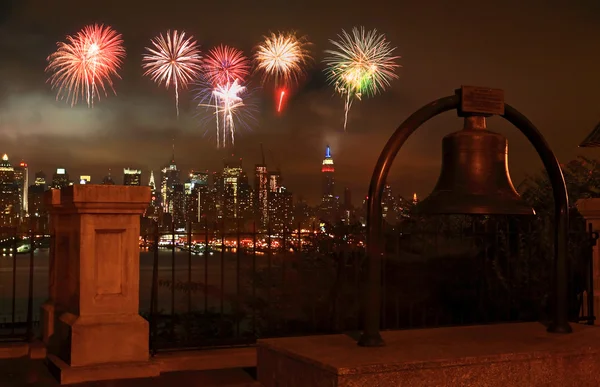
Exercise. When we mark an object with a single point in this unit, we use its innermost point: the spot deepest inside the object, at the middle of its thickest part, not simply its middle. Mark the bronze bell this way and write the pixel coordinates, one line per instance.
(474, 177)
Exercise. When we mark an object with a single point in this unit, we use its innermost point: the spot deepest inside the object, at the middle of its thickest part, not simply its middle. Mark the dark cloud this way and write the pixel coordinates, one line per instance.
(543, 53)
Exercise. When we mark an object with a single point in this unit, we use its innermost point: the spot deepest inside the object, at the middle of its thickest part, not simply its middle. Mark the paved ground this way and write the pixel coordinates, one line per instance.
(25, 372)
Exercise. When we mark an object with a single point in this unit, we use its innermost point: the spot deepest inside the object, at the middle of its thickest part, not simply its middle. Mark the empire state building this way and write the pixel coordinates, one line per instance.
(328, 200)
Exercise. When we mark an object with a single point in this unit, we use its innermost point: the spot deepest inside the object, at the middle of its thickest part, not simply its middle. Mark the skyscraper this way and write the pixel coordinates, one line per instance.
(60, 178)
(274, 181)
(232, 175)
(132, 176)
(40, 179)
(261, 201)
(108, 180)
(328, 200)
(168, 178)
(9, 194)
(281, 215)
(198, 197)
(22, 180)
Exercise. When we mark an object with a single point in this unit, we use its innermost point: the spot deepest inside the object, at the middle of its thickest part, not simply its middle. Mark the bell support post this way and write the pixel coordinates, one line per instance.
(371, 336)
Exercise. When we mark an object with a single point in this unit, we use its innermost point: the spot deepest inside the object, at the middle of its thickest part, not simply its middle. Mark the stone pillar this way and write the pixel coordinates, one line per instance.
(96, 293)
(590, 210)
(48, 315)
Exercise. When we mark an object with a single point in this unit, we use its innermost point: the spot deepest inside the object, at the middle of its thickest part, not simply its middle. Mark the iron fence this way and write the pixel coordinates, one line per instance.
(213, 287)
(209, 286)
(18, 320)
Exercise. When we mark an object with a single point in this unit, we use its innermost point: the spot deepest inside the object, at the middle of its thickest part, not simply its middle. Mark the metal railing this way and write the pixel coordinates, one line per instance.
(18, 320)
(212, 287)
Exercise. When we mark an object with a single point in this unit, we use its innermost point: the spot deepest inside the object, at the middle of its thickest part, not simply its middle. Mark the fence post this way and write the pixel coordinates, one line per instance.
(30, 292)
(590, 210)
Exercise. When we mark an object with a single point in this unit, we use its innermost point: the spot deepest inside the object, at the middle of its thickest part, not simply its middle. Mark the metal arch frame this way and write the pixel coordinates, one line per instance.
(371, 336)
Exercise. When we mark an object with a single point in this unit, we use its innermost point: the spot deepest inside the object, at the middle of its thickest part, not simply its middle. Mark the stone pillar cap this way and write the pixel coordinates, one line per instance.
(93, 198)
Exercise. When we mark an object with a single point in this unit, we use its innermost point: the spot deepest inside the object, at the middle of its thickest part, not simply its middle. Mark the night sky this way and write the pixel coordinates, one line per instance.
(544, 53)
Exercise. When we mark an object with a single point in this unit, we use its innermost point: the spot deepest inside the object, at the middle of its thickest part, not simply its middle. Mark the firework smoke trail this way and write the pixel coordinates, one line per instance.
(173, 59)
(86, 62)
(225, 68)
(283, 58)
(361, 64)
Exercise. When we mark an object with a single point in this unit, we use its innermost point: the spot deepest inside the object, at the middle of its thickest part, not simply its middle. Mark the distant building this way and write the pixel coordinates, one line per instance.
(329, 202)
(40, 179)
(169, 177)
(9, 195)
(281, 216)
(178, 205)
(108, 180)
(274, 181)
(60, 178)
(132, 177)
(261, 189)
(22, 180)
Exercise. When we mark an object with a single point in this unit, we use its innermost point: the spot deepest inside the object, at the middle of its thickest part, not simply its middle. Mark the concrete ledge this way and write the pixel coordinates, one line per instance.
(206, 359)
(37, 350)
(492, 356)
(65, 374)
(13, 350)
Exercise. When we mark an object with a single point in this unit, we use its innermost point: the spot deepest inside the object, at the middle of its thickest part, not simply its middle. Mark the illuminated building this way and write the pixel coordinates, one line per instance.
(389, 208)
(328, 200)
(197, 196)
(85, 179)
(348, 213)
(108, 180)
(132, 177)
(22, 180)
(40, 179)
(9, 195)
(153, 210)
(168, 178)
(261, 188)
(280, 210)
(178, 205)
(232, 176)
(274, 181)
(60, 178)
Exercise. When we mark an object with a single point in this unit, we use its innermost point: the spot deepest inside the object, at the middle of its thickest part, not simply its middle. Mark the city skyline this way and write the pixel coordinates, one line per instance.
(123, 176)
(136, 127)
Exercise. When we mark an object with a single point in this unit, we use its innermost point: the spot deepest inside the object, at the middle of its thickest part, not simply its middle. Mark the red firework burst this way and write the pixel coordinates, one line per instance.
(86, 63)
(224, 64)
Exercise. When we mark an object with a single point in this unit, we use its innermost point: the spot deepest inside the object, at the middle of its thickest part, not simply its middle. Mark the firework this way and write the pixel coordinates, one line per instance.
(223, 65)
(283, 58)
(229, 106)
(86, 63)
(362, 64)
(173, 59)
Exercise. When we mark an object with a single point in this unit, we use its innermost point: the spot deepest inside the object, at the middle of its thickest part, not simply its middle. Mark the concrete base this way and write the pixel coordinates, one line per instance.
(100, 339)
(492, 356)
(34, 349)
(13, 350)
(47, 317)
(203, 360)
(65, 374)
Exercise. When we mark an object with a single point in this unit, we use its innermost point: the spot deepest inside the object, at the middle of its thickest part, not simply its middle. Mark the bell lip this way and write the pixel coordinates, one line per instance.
(433, 206)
